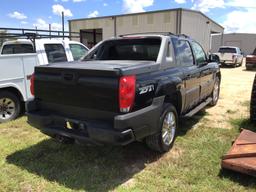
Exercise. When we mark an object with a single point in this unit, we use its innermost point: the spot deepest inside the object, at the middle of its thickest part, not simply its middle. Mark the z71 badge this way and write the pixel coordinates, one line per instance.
(146, 89)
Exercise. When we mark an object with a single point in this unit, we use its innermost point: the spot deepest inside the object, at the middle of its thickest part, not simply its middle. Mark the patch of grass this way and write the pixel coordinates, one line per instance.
(31, 161)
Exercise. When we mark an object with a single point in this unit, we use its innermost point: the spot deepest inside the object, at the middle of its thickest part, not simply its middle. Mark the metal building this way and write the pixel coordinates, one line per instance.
(246, 42)
(178, 21)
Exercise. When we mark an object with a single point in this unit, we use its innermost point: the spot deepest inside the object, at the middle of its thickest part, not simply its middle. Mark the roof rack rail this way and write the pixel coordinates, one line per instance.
(33, 34)
(160, 33)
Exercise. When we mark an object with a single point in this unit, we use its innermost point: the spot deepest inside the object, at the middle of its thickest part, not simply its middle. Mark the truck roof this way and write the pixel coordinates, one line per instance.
(155, 34)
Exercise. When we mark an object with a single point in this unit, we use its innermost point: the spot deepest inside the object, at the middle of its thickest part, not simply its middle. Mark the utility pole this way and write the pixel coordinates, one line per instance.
(50, 30)
(63, 27)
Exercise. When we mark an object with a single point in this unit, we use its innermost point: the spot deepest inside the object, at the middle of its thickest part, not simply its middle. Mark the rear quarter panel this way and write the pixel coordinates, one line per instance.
(164, 82)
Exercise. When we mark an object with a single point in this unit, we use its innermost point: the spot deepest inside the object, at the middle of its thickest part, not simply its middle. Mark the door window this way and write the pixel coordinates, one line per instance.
(78, 51)
(55, 53)
(183, 52)
(200, 55)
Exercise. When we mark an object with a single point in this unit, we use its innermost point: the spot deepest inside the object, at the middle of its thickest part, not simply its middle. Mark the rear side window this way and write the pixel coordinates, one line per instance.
(78, 51)
(17, 49)
(200, 55)
(183, 52)
(55, 53)
(227, 50)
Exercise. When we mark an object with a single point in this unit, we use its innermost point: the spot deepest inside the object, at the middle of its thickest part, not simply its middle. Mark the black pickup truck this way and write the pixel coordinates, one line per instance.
(129, 88)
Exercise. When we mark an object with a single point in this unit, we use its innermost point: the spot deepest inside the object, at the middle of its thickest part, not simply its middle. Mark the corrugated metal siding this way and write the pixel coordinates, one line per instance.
(246, 42)
(197, 27)
(152, 22)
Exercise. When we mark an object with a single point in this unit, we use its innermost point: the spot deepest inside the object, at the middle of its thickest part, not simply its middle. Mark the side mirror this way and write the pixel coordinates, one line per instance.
(214, 58)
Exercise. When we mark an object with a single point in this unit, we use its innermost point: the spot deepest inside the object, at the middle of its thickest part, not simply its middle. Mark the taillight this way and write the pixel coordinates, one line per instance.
(126, 92)
(32, 82)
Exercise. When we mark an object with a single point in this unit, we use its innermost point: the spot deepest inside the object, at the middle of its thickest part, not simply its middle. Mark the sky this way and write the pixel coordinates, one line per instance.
(238, 16)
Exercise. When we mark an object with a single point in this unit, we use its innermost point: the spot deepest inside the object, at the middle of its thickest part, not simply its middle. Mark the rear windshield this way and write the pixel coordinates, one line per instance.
(17, 49)
(227, 50)
(127, 49)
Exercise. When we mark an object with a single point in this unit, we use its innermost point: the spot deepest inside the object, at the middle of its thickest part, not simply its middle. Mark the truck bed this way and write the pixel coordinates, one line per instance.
(91, 85)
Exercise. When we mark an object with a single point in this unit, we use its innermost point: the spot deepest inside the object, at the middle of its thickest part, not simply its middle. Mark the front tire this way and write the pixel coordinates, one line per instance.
(215, 92)
(10, 106)
(164, 139)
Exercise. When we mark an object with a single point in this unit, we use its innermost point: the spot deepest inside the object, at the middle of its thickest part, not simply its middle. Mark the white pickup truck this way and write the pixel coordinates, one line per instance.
(230, 56)
(17, 61)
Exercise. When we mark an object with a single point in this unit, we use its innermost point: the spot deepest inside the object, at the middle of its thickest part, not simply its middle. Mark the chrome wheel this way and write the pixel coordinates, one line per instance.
(169, 128)
(215, 94)
(7, 108)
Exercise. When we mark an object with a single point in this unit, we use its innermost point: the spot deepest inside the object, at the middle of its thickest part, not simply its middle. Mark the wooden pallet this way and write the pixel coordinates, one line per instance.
(242, 155)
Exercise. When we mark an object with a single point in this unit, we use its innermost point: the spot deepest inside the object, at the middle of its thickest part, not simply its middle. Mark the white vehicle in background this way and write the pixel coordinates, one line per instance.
(230, 56)
(17, 61)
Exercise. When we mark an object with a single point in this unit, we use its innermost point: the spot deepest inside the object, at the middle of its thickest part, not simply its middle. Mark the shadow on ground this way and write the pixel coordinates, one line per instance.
(185, 124)
(242, 179)
(90, 168)
(78, 167)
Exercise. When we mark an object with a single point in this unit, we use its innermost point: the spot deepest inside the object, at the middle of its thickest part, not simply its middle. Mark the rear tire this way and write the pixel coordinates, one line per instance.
(241, 63)
(164, 139)
(10, 106)
(215, 92)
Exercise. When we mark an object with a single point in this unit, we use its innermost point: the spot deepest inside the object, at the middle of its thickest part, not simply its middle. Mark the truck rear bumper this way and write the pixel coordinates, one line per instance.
(126, 128)
(228, 62)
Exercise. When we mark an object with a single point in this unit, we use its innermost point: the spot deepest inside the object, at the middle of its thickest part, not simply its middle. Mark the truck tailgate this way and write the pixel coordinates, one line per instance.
(76, 85)
(226, 56)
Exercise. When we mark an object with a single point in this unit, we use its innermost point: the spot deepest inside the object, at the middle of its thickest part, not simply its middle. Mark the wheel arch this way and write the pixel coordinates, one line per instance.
(176, 100)
(13, 90)
(173, 90)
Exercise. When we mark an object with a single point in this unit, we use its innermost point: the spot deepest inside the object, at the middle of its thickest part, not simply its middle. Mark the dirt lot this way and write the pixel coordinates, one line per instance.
(236, 85)
(31, 161)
